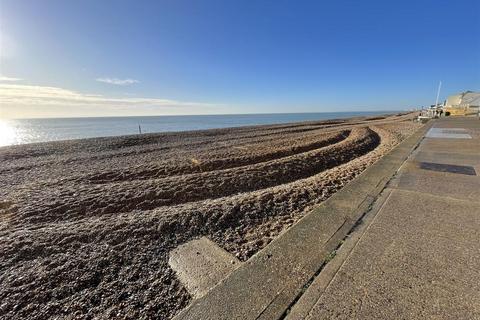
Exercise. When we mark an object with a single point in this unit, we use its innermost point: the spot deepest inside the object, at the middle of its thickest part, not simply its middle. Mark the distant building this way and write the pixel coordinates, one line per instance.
(467, 102)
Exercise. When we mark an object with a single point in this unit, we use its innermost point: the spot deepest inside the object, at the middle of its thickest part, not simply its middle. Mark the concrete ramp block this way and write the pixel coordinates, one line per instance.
(200, 264)
(448, 133)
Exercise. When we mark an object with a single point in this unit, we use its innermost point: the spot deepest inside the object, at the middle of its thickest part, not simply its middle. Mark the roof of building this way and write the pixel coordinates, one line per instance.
(471, 98)
(464, 99)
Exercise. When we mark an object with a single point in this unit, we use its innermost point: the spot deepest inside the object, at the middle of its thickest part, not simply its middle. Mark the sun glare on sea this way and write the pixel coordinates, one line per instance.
(7, 133)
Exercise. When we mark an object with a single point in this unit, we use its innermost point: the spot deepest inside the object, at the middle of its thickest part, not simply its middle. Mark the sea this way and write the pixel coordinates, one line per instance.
(22, 131)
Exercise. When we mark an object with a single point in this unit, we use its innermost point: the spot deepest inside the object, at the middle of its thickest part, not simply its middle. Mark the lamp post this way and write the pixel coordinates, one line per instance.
(438, 93)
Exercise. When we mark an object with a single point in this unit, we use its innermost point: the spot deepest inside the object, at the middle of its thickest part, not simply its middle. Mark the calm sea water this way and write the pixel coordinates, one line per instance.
(41, 130)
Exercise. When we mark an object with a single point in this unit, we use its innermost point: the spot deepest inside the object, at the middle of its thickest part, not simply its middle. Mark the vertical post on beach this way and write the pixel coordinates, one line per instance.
(139, 129)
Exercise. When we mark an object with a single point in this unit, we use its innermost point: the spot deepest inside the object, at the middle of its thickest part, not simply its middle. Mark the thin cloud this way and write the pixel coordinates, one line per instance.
(26, 94)
(5, 78)
(118, 82)
(36, 99)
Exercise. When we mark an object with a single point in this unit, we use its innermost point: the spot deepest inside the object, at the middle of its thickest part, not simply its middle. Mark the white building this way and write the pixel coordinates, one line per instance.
(467, 102)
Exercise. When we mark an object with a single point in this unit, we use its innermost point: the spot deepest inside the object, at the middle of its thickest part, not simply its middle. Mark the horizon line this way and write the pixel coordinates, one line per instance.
(215, 114)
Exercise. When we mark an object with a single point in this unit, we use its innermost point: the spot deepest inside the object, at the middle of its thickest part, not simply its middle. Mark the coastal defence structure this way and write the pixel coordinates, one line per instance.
(462, 104)
(400, 241)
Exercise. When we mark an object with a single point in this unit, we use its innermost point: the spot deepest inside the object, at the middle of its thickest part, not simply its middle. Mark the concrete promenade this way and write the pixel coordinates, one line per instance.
(417, 254)
(402, 241)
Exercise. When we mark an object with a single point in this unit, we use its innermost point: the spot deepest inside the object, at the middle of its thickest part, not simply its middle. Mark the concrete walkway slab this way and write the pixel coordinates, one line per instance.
(201, 264)
(418, 260)
(448, 133)
(448, 158)
(458, 146)
(458, 186)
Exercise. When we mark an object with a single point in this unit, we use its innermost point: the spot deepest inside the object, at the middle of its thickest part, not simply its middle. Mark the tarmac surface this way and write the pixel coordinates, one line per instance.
(417, 255)
(399, 242)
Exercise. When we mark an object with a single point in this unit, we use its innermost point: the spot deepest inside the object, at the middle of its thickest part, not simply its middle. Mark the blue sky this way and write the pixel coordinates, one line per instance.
(87, 58)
